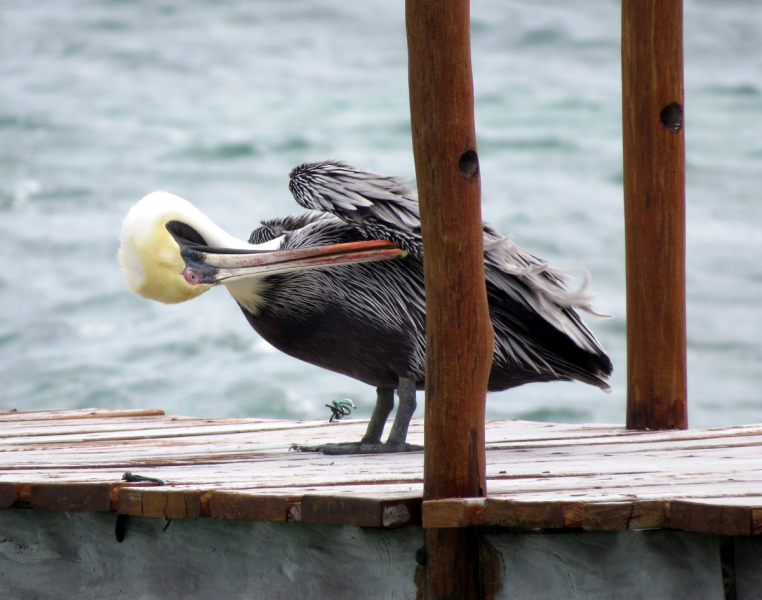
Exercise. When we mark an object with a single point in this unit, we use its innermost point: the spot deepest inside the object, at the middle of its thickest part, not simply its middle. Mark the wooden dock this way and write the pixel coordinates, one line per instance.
(542, 478)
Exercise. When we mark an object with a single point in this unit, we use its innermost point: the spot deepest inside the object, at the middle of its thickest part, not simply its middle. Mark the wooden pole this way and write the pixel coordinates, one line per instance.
(459, 337)
(654, 194)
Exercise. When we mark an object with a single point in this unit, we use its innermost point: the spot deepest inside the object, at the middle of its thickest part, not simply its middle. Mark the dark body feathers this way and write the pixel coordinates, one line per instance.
(367, 320)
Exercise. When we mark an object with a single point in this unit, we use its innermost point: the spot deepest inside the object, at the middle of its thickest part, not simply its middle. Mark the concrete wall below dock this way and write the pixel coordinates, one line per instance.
(75, 555)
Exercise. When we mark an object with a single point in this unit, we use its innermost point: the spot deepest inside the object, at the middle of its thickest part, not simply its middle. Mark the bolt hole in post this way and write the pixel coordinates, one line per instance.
(468, 164)
(671, 117)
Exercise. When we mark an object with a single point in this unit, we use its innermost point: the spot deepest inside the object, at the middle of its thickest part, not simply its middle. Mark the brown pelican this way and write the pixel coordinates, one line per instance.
(360, 314)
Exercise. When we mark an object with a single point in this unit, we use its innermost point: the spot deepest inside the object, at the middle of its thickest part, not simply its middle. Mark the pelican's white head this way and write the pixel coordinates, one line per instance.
(150, 255)
(172, 252)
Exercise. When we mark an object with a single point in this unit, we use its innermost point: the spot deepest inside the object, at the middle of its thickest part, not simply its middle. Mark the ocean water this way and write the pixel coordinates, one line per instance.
(103, 101)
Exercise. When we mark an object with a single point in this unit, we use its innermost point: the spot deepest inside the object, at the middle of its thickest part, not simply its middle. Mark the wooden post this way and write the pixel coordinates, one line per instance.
(654, 195)
(459, 337)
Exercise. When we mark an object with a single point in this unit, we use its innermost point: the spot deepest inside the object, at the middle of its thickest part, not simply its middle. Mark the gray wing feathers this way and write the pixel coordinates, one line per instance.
(274, 228)
(385, 207)
(542, 288)
(359, 197)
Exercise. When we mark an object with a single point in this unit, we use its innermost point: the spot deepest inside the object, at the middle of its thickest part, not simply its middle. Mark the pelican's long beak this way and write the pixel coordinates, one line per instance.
(213, 266)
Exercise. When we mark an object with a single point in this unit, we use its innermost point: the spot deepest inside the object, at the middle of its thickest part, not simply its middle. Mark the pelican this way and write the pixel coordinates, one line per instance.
(341, 287)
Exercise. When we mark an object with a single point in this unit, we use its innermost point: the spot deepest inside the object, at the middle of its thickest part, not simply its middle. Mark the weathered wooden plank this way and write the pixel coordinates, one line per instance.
(390, 492)
(752, 502)
(632, 443)
(251, 507)
(518, 514)
(655, 493)
(703, 485)
(718, 517)
(164, 502)
(71, 497)
(530, 515)
(159, 430)
(359, 511)
(390, 506)
(506, 432)
(35, 429)
(83, 413)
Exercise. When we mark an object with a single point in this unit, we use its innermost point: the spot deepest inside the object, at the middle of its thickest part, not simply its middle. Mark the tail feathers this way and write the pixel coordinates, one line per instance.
(529, 346)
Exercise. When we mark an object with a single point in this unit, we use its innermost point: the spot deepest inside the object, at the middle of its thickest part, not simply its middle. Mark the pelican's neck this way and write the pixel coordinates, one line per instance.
(214, 235)
(249, 293)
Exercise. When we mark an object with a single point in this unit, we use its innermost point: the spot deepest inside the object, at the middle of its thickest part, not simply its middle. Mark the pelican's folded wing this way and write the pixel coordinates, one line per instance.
(385, 207)
(380, 206)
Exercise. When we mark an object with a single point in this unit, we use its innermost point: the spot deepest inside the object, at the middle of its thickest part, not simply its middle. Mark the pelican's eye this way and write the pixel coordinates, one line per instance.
(195, 273)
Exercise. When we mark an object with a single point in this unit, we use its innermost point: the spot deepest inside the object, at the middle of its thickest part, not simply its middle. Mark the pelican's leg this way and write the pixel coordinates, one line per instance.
(384, 406)
(371, 442)
(405, 410)
(372, 437)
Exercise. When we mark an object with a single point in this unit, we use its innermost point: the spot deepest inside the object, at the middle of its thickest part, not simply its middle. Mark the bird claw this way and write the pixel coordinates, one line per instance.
(358, 448)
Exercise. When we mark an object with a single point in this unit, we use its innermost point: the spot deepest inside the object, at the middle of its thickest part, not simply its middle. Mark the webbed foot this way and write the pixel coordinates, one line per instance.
(359, 448)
